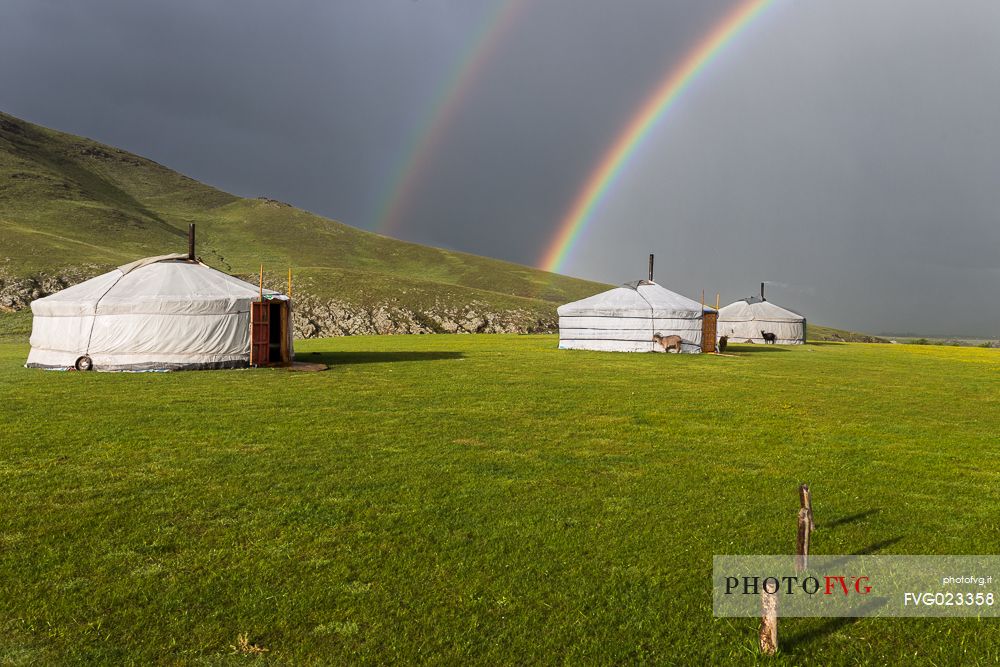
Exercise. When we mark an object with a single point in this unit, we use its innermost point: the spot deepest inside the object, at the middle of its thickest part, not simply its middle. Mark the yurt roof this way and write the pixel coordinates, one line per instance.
(748, 310)
(164, 284)
(638, 299)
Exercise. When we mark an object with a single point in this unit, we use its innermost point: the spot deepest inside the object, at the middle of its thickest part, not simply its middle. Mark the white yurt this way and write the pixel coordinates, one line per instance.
(160, 313)
(745, 320)
(624, 319)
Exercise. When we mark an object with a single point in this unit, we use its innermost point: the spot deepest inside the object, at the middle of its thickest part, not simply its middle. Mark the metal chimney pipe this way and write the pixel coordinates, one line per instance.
(191, 241)
(762, 292)
(650, 267)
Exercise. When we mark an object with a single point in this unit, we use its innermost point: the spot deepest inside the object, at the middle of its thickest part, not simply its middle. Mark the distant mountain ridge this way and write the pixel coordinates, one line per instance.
(71, 208)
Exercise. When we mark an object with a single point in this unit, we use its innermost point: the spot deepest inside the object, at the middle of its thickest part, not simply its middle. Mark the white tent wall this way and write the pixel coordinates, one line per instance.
(605, 345)
(156, 314)
(140, 342)
(741, 332)
(624, 319)
(743, 321)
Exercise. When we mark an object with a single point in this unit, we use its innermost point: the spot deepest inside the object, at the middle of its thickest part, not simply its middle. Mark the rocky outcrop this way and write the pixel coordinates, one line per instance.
(17, 292)
(318, 318)
(315, 318)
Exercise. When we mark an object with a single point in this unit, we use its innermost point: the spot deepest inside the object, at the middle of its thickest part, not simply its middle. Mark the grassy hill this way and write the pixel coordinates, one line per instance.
(71, 208)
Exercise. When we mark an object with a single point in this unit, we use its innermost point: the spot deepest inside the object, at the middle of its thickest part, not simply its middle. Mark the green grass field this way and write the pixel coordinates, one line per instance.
(481, 499)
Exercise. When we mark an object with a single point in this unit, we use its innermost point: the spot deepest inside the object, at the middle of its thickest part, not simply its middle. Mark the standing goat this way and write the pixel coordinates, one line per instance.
(769, 337)
(668, 342)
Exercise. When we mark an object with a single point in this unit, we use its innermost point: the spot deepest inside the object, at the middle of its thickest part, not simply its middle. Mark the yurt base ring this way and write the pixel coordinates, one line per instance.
(84, 363)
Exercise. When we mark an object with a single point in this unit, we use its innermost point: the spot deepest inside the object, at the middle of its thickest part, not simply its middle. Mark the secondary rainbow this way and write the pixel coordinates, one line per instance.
(431, 130)
(653, 109)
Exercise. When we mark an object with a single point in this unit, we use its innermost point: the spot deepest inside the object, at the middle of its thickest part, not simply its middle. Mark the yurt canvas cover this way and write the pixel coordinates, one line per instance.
(744, 320)
(625, 318)
(159, 313)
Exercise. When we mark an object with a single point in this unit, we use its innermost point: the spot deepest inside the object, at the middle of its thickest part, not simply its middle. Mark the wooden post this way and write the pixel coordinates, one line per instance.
(716, 300)
(251, 312)
(802, 541)
(805, 501)
(768, 622)
(284, 331)
(191, 242)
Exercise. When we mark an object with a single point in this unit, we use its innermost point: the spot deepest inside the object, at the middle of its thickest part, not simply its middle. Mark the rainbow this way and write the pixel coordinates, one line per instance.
(424, 141)
(638, 128)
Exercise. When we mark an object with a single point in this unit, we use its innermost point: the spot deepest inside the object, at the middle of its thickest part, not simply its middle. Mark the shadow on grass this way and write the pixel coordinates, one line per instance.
(826, 342)
(864, 551)
(878, 546)
(746, 347)
(850, 519)
(793, 642)
(349, 358)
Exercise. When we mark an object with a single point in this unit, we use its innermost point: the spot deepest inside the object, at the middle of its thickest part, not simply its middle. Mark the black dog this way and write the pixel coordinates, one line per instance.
(723, 342)
(769, 337)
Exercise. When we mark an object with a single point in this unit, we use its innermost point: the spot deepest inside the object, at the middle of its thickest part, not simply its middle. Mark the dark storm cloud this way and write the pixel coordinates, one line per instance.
(304, 101)
(845, 150)
(847, 147)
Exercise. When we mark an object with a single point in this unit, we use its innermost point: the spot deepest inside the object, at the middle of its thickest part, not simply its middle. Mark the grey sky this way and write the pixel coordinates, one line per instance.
(847, 150)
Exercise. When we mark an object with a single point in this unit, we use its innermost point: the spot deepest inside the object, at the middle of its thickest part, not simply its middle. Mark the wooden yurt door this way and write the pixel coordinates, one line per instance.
(260, 333)
(708, 328)
(278, 325)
